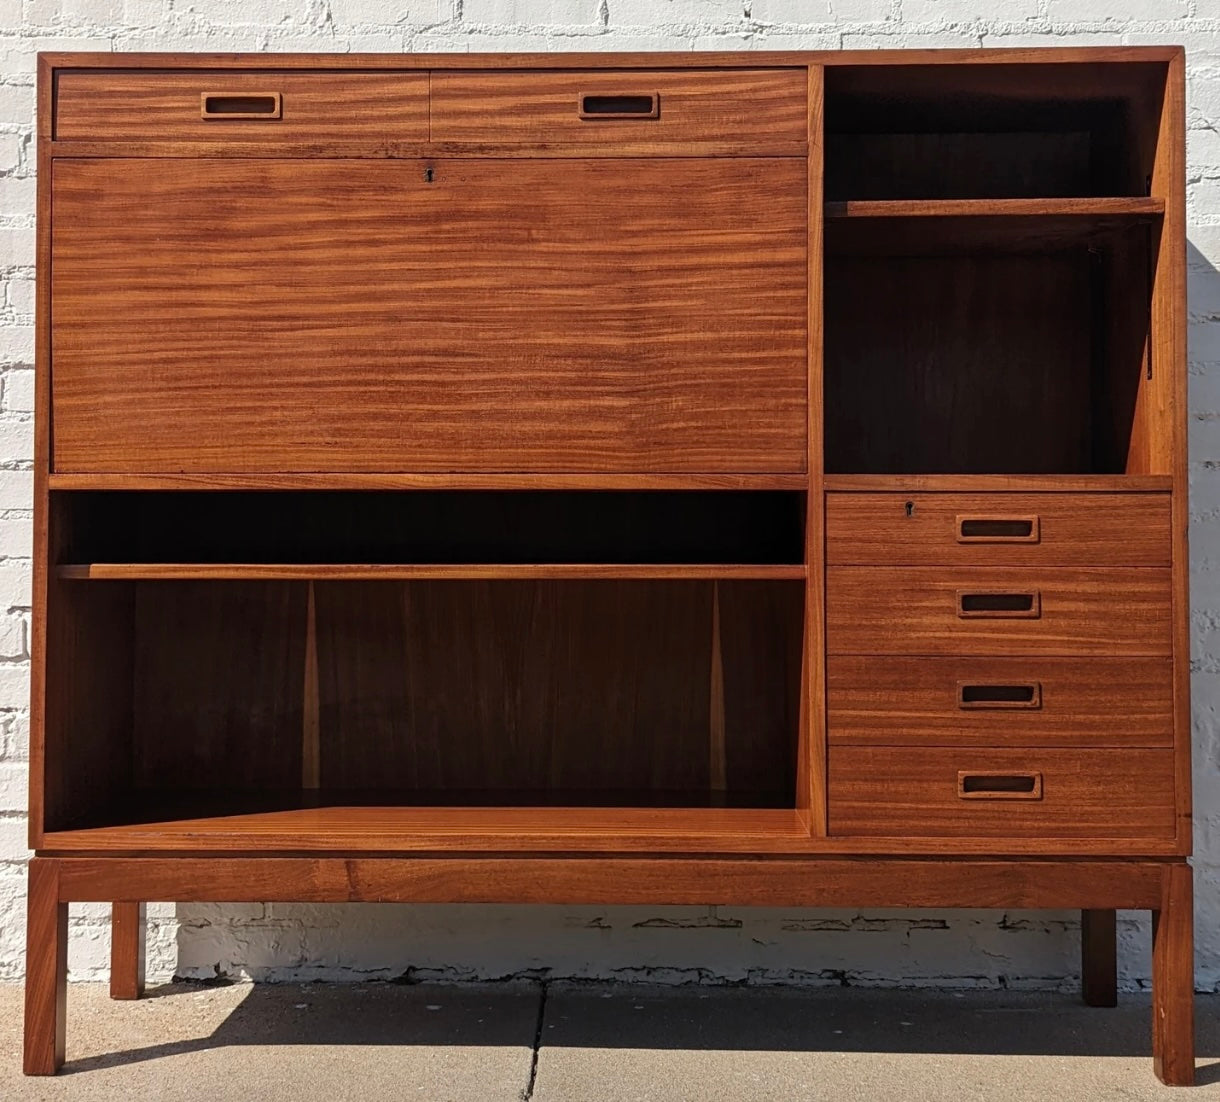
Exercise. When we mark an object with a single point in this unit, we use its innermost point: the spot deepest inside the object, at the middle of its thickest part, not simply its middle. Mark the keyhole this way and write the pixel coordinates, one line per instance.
(910, 508)
(428, 174)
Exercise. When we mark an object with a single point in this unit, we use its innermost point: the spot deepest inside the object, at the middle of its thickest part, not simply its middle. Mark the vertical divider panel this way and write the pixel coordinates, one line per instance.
(310, 732)
(1169, 451)
(717, 753)
(811, 756)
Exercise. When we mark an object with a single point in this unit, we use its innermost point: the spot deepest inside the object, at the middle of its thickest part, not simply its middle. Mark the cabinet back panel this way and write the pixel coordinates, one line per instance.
(632, 693)
(272, 315)
(219, 684)
(537, 686)
(962, 364)
(990, 130)
(1019, 165)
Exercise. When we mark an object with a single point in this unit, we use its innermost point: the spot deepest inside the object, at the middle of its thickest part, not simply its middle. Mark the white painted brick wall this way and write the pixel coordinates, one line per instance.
(279, 941)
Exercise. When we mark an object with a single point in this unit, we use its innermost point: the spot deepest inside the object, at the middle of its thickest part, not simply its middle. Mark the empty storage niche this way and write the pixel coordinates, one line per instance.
(538, 693)
(432, 527)
(991, 131)
(987, 346)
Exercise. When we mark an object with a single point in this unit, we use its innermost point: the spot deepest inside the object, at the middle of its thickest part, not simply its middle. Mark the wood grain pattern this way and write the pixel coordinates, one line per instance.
(422, 571)
(901, 528)
(689, 310)
(43, 551)
(1142, 206)
(1168, 351)
(902, 701)
(350, 480)
(913, 610)
(775, 882)
(888, 792)
(739, 106)
(380, 150)
(885, 232)
(570, 687)
(319, 106)
(811, 748)
(46, 970)
(170, 828)
(1098, 958)
(957, 380)
(218, 705)
(1173, 979)
(1087, 58)
(127, 949)
(991, 483)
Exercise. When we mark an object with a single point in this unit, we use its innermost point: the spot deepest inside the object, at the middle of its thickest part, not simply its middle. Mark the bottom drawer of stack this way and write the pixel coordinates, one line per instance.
(958, 792)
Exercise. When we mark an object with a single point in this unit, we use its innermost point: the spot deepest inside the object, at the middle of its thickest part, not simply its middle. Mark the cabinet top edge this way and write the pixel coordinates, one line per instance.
(754, 59)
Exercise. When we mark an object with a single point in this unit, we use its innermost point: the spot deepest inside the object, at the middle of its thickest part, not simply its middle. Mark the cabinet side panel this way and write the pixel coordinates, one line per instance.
(1169, 367)
(42, 451)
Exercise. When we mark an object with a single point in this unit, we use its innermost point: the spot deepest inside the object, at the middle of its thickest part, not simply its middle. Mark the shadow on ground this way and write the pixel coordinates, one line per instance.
(603, 1016)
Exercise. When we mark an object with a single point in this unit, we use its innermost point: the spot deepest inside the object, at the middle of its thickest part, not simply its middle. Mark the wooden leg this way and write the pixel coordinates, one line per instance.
(1173, 980)
(126, 950)
(1098, 958)
(46, 970)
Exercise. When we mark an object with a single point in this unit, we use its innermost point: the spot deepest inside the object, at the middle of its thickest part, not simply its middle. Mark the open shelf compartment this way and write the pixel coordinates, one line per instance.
(171, 532)
(988, 348)
(295, 699)
(991, 131)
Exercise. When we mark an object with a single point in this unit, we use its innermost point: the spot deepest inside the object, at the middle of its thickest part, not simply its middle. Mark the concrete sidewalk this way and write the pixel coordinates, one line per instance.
(601, 1043)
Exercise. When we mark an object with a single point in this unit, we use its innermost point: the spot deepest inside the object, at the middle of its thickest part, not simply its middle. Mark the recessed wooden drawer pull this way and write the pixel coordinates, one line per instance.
(643, 106)
(249, 105)
(997, 529)
(1003, 605)
(1027, 694)
(999, 786)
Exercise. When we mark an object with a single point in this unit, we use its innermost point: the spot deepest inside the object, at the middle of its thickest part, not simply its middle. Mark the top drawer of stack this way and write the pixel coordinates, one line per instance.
(997, 529)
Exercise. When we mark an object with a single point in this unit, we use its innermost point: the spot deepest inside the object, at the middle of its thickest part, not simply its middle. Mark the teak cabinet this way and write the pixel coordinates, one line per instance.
(674, 478)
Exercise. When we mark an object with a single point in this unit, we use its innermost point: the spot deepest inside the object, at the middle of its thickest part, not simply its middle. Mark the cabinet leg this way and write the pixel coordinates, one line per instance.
(126, 950)
(1173, 980)
(46, 970)
(1099, 958)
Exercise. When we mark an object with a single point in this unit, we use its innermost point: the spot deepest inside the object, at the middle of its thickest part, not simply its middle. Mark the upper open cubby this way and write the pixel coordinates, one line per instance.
(991, 131)
(430, 527)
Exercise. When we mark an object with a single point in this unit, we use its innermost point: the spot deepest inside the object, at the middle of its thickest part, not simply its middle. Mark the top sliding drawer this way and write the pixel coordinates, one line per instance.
(998, 529)
(240, 106)
(747, 106)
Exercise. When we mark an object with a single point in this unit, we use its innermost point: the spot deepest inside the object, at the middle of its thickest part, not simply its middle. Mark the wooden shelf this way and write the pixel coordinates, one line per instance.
(389, 830)
(1139, 207)
(357, 480)
(398, 829)
(127, 571)
(1114, 483)
(945, 227)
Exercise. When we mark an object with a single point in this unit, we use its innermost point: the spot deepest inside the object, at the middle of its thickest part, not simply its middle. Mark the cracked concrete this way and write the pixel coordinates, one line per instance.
(566, 1042)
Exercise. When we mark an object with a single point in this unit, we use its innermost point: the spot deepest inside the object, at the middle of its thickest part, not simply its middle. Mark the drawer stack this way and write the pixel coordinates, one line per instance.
(999, 665)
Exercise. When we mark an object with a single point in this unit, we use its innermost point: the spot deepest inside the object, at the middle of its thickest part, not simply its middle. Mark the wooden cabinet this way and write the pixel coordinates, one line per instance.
(744, 478)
